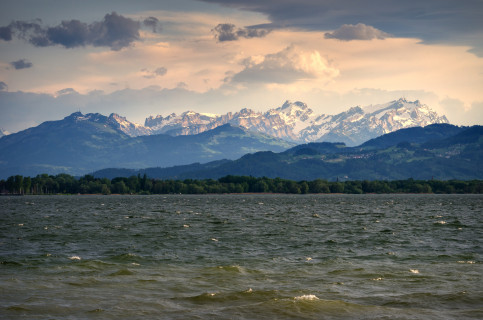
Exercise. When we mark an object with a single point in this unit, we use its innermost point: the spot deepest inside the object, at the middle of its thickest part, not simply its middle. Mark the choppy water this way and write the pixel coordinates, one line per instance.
(241, 257)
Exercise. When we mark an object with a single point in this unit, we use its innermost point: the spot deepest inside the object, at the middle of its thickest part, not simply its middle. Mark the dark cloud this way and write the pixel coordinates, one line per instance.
(21, 64)
(66, 91)
(3, 86)
(229, 32)
(114, 31)
(158, 72)
(6, 33)
(152, 22)
(440, 21)
(69, 34)
(359, 31)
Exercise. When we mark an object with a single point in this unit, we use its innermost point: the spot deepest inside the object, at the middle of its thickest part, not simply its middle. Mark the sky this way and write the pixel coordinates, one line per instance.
(155, 57)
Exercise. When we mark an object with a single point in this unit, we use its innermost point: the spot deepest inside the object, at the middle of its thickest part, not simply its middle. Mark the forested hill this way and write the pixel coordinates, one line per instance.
(442, 152)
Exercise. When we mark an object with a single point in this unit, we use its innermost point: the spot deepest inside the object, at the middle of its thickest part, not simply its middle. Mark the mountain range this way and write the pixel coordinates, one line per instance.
(439, 151)
(262, 144)
(79, 144)
(295, 122)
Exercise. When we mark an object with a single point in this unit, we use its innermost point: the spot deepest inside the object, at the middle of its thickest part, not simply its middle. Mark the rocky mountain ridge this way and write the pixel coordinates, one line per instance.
(296, 122)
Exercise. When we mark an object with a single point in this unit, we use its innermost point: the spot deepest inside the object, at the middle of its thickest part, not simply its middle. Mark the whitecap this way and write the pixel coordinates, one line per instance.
(307, 297)
(75, 258)
(415, 271)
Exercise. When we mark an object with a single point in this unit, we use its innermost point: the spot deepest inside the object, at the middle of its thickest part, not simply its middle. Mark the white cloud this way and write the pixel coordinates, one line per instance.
(359, 31)
(289, 65)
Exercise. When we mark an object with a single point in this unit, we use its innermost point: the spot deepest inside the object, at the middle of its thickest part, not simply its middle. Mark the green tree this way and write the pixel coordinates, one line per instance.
(304, 187)
(260, 186)
(119, 187)
(336, 187)
(18, 184)
(27, 183)
(319, 186)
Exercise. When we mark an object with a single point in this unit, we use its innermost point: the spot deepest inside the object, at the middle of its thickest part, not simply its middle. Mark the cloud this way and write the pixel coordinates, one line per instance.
(6, 33)
(158, 72)
(359, 31)
(286, 66)
(433, 21)
(66, 91)
(21, 64)
(229, 32)
(151, 22)
(3, 86)
(114, 31)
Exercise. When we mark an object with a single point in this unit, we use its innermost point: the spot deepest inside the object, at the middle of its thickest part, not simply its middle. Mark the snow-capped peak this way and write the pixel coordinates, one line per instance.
(396, 104)
(93, 117)
(293, 121)
(129, 128)
(297, 114)
(3, 133)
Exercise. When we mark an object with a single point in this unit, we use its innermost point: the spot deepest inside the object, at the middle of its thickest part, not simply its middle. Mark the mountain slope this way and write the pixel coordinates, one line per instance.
(72, 145)
(444, 156)
(80, 144)
(414, 135)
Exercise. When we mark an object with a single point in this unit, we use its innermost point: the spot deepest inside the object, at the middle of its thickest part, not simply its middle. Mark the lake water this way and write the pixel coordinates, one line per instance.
(242, 257)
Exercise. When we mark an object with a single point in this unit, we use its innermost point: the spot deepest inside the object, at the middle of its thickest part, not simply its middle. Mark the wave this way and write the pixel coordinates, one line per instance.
(308, 297)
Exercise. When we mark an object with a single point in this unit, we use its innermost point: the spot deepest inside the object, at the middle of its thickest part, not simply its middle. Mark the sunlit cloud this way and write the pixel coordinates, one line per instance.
(213, 62)
(359, 31)
(287, 66)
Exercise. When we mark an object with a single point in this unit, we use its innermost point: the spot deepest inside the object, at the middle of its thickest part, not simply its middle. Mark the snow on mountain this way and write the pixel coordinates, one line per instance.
(293, 121)
(187, 123)
(129, 128)
(3, 133)
(296, 122)
(358, 125)
(114, 121)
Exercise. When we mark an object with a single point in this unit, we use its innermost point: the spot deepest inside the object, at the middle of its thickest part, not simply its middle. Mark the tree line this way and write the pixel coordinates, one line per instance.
(88, 184)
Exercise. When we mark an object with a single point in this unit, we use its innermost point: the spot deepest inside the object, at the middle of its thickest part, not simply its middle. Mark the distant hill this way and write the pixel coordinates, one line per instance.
(80, 144)
(433, 132)
(440, 152)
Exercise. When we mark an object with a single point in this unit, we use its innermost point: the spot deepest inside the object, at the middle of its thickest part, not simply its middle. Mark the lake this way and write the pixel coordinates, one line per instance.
(241, 257)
